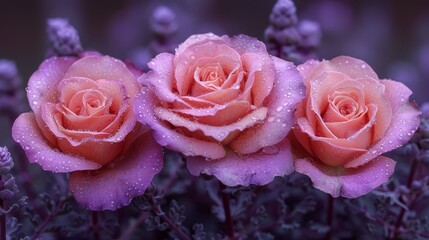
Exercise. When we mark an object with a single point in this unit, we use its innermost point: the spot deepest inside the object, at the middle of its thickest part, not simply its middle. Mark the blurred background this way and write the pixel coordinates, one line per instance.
(391, 35)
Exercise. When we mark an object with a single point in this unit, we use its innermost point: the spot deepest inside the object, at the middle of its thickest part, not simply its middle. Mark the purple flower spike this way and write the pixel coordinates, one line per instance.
(9, 78)
(63, 37)
(6, 162)
(163, 21)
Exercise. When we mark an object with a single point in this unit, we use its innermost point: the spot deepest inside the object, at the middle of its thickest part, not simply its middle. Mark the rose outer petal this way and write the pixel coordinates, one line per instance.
(402, 127)
(288, 90)
(349, 183)
(114, 185)
(107, 68)
(259, 168)
(26, 132)
(144, 105)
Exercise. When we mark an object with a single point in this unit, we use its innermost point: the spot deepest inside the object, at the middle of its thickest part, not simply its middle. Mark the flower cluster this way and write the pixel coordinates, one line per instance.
(224, 103)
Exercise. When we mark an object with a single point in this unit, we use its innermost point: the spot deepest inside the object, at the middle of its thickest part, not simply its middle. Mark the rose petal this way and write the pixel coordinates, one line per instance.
(260, 76)
(259, 168)
(318, 102)
(26, 132)
(402, 127)
(397, 94)
(375, 94)
(107, 68)
(114, 185)
(217, 53)
(349, 183)
(331, 151)
(42, 86)
(219, 133)
(218, 115)
(200, 38)
(288, 90)
(143, 107)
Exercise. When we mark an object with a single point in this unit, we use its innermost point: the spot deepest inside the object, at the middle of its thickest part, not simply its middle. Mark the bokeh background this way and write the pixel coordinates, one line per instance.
(391, 35)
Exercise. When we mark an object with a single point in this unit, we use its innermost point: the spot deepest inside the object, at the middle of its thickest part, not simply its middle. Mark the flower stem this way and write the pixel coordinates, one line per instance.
(227, 210)
(330, 217)
(41, 228)
(95, 226)
(180, 234)
(132, 227)
(410, 179)
(2, 218)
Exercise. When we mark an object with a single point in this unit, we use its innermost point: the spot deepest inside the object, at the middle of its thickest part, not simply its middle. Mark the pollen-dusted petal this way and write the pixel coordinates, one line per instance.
(114, 185)
(26, 132)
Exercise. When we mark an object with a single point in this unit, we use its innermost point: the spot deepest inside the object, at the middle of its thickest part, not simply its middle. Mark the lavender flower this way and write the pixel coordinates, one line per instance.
(163, 22)
(288, 39)
(63, 37)
(10, 93)
(8, 186)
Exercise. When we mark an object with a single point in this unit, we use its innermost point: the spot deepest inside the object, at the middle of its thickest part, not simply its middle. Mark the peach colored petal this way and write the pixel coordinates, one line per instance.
(221, 96)
(287, 92)
(26, 132)
(260, 76)
(143, 106)
(375, 93)
(397, 94)
(332, 151)
(184, 78)
(306, 70)
(199, 39)
(349, 183)
(219, 133)
(352, 67)
(84, 123)
(107, 68)
(218, 115)
(403, 125)
(101, 152)
(67, 88)
(347, 128)
(318, 99)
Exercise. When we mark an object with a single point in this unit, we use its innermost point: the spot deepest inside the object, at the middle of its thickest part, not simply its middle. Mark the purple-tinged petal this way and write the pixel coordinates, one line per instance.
(42, 86)
(287, 92)
(347, 182)
(397, 93)
(26, 132)
(144, 105)
(402, 127)
(114, 185)
(258, 168)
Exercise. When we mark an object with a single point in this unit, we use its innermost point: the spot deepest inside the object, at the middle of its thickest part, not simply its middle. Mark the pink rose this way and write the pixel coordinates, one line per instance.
(82, 120)
(226, 104)
(348, 119)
